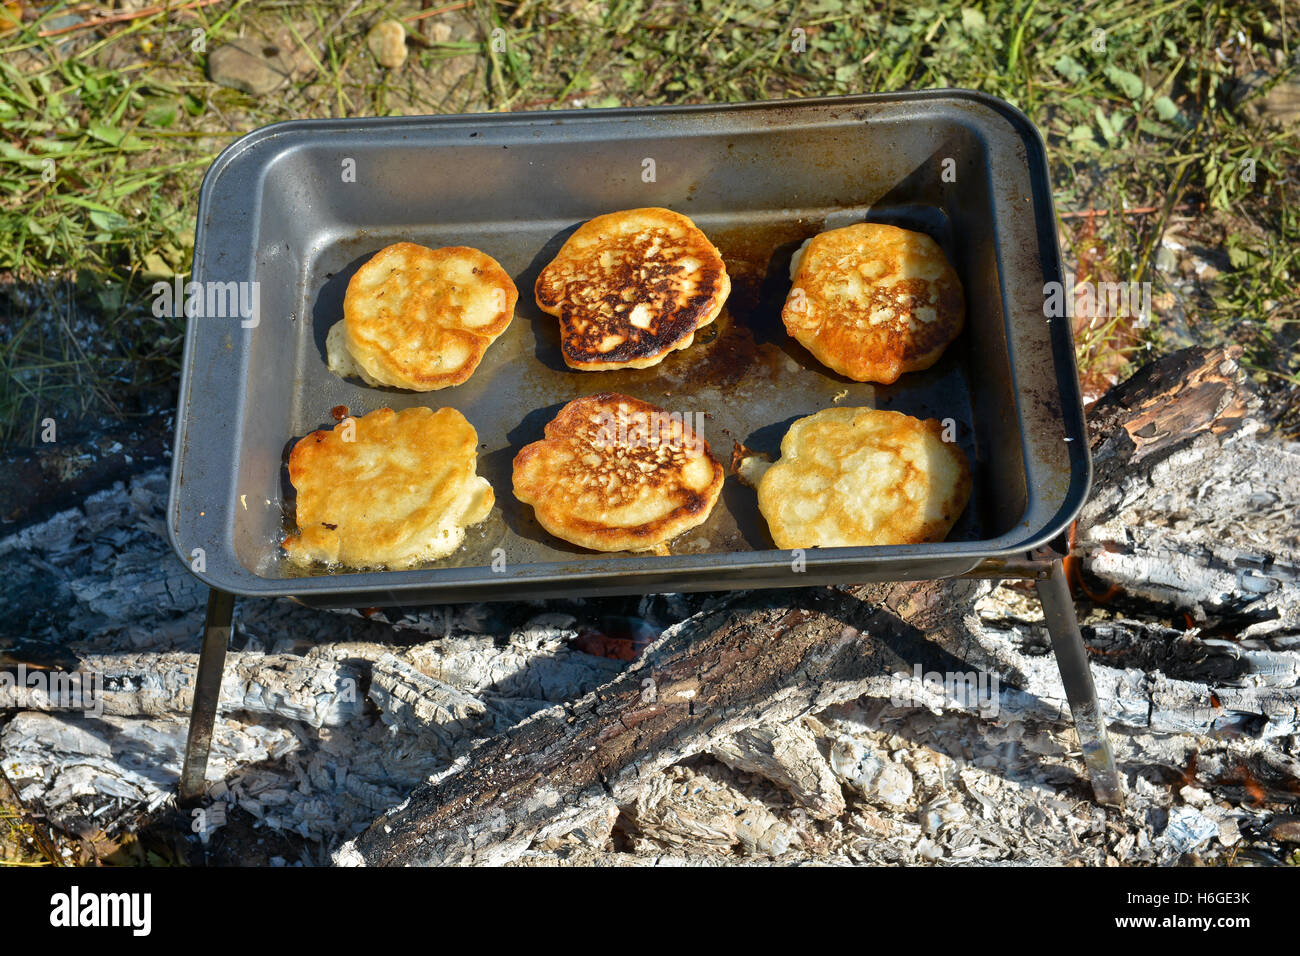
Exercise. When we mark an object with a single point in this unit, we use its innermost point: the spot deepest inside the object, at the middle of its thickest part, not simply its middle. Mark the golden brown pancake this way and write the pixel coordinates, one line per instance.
(420, 318)
(630, 287)
(618, 474)
(872, 301)
(388, 489)
(858, 476)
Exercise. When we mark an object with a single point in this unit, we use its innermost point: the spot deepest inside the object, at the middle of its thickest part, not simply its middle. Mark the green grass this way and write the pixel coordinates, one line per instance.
(130, 121)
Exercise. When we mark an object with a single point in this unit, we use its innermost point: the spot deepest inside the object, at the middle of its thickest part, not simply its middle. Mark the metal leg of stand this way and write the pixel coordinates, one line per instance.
(1072, 659)
(207, 692)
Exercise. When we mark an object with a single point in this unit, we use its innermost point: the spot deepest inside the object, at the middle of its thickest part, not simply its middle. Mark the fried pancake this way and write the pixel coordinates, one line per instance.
(872, 301)
(420, 318)
(400, 492)
(630, 287)
(857, 476)
(618, 474)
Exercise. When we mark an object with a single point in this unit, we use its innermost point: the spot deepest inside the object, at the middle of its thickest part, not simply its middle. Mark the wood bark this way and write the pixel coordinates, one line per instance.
(755, 658)
(1189, 507)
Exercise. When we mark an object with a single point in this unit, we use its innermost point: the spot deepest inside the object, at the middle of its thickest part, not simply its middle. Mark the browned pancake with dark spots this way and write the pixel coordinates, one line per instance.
(630, 287)
(614, 473)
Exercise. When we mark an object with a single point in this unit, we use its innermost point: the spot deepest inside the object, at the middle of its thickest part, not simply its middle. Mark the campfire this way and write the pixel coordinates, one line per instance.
(832, 724)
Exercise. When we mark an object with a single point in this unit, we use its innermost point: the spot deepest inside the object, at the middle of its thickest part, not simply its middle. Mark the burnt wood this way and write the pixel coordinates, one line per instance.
(755, 658)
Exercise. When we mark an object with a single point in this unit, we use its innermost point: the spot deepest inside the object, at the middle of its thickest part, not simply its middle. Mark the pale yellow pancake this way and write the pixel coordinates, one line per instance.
(419, 318)
(399, 493)
(858, 476)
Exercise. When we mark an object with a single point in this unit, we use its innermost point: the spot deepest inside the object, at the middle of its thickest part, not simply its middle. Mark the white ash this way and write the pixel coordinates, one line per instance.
(789, 757)
(687, 807)
(863, 782)
(294, 746)
(1213, 528)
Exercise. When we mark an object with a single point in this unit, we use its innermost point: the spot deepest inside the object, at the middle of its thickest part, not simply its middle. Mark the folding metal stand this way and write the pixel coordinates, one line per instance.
(1045, 569)
(207, 694)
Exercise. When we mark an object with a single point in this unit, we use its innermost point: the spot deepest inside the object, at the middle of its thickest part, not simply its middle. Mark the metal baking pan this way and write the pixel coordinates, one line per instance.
(297, 207)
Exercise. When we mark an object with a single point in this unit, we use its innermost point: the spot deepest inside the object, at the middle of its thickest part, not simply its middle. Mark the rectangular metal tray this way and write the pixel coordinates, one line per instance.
(278, 209)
